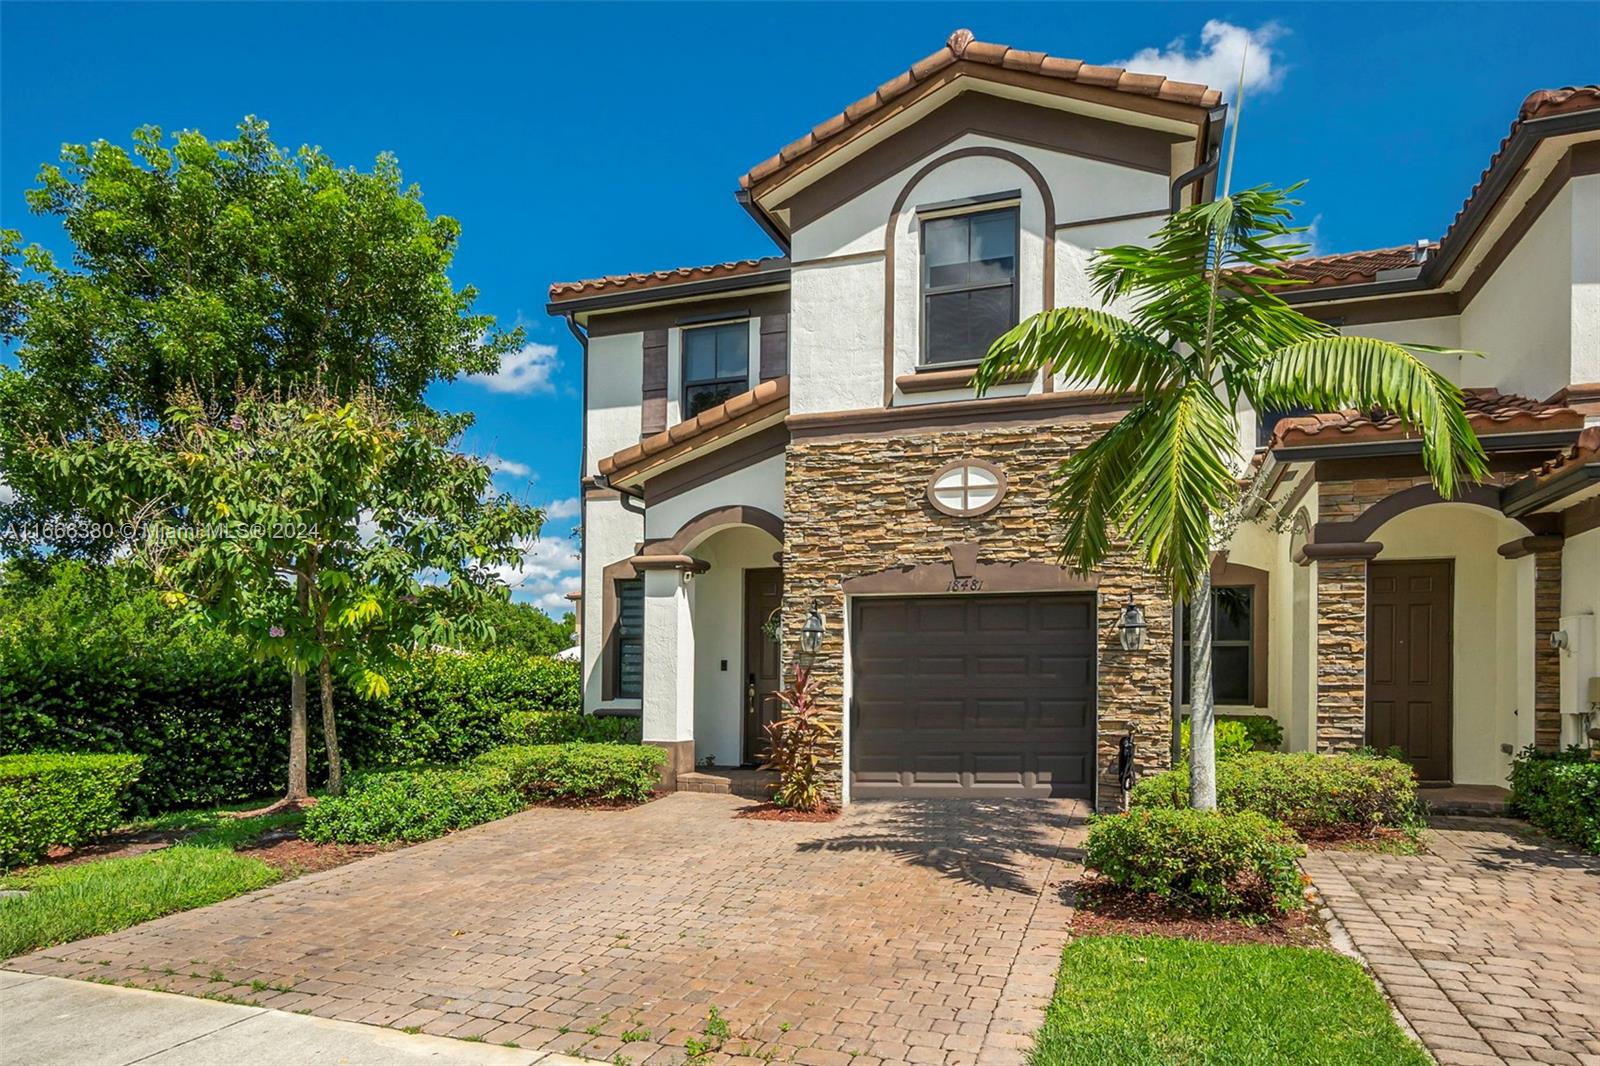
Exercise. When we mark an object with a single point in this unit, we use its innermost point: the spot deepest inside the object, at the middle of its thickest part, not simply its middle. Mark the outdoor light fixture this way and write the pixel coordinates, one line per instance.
(811, 633)
(1133, 625)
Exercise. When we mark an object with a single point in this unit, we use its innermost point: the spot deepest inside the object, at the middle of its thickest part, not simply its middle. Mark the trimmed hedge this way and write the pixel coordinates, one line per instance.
(579, 771)
(1205, 861)
(566, 727)
(1312, 794)
(426, 802)
(212, 725)
(1560, 793)
(50, 799)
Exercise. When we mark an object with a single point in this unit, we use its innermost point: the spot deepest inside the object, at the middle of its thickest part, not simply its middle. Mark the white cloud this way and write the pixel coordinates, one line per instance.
(523, 371)
(547, 571)
(567, 508)
(499, 464)
(1216, 63)
(7, 494)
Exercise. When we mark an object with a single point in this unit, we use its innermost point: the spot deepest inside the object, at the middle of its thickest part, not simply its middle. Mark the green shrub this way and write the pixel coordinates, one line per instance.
(46, 800)
(1315, 795)
(1560, 793)
(527, 726)
(411, 805)
(579, 771)
(1201, 860)
(1265, 731)
(1231, 739)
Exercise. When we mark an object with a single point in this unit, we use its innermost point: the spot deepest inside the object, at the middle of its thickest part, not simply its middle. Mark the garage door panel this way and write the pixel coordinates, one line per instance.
(973, 695)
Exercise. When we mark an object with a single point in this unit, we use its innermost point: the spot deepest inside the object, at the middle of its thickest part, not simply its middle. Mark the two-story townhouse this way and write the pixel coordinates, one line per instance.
(773, 439)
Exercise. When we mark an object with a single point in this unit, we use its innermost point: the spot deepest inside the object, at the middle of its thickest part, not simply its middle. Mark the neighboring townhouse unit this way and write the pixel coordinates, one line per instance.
(768, 438)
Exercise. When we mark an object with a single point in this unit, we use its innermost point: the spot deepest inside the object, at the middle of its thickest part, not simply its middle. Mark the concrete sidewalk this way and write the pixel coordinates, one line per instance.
(50, 1021)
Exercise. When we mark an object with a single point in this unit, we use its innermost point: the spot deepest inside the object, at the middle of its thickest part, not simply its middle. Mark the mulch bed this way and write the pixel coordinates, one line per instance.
(1355, 838)
(118, 845)
(285, 851)
(771, 812)
(1105, 910)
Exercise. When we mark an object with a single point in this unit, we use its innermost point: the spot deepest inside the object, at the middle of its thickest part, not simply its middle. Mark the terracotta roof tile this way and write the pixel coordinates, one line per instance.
(569, 290)
(1488, 410)
(1348, 268)
(769, 397)
(961, 47)
(1585, 450)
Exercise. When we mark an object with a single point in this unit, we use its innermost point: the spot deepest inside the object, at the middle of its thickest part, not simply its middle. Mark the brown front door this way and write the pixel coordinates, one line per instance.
(763, 674)
(1408, 663)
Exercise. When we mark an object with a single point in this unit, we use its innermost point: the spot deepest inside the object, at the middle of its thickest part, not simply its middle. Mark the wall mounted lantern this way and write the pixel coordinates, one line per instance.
(811, 635)
(1132, 625)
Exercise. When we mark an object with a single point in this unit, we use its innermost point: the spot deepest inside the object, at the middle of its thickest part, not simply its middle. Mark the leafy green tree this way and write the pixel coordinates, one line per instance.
(214, 268)
(524, 628)
(332, 534)
(1189, 326)
(208, 270)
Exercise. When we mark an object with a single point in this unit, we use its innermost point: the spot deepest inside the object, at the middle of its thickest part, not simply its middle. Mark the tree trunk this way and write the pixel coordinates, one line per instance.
(1202, 700)
(330, 732)
(297, 737)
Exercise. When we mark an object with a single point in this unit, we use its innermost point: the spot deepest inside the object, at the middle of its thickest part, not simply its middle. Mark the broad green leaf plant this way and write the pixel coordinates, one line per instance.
(331, 533)
(1190, 326)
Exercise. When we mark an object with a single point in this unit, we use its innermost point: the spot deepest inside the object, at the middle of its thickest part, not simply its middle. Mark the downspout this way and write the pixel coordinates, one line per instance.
(1216, 123)
(583, 496)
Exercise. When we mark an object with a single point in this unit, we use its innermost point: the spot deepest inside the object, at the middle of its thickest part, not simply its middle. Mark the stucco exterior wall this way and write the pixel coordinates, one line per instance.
(616, 376)
(758, 485)
(1584, 194)
(611, 532)
(1522, 317)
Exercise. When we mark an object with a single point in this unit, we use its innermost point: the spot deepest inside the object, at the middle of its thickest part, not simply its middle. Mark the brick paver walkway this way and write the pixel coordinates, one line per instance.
(1489, 944)
(905, 932)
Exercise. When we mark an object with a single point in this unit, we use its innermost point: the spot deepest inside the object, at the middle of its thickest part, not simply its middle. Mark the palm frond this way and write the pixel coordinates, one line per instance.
(1336, 372)
(1087, 345)
(1091, 485)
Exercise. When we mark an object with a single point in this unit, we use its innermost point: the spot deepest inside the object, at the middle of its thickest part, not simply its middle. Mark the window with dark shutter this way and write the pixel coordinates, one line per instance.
(716, 365)
(1232, 645)
(969, 284)
(630, 638)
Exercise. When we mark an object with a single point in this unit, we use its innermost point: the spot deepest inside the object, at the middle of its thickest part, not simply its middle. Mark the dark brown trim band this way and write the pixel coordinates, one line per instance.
(1579, 160)
(1035, 408)
(1395, 504)
(670, 562)
(1531, 545)
(941, 579)
(960, 377)
(891, 228)
(707, 522)
(1079, 223)
(1339, 551)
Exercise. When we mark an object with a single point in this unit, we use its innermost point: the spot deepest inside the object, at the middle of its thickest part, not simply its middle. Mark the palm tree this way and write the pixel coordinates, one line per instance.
(1190, 325)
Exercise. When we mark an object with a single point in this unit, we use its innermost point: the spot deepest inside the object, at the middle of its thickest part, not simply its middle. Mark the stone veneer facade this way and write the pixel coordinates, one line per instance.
(857, 505)
(1342, 623)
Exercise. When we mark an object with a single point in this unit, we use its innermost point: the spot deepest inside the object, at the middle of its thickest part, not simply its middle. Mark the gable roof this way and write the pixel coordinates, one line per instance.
(962, 48)
(1544, 112)
(765, 403)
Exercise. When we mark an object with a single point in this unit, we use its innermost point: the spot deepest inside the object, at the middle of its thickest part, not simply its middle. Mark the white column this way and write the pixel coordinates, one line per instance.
(668, 707)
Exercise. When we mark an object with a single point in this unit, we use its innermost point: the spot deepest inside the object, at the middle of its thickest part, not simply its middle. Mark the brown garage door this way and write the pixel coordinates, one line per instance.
(973, 696)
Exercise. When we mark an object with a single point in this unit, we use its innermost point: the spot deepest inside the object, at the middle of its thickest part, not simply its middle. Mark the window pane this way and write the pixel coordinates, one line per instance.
(945, 243)
(1230, 673)
(994, 248)
(697, 398)
(1231, 618)
(699, 355)
(630, 638)
(962, 325)
(733, 350)
(989, 315)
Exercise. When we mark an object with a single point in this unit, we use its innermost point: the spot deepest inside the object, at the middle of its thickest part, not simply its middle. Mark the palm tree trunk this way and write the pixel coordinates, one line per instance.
(1202, 702)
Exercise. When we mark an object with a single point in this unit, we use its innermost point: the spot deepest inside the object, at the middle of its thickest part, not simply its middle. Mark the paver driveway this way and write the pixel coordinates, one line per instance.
(925, 931)
(1489, 944)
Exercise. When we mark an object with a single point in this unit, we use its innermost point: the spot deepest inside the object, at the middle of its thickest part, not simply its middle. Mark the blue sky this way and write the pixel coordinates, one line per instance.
(578, 139)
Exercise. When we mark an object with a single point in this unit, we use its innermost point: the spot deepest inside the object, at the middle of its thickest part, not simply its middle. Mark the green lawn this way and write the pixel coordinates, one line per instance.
(1142, 1001)
(71, 902)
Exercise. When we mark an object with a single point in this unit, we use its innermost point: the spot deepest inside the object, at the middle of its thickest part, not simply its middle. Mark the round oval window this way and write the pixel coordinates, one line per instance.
(967, 488)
